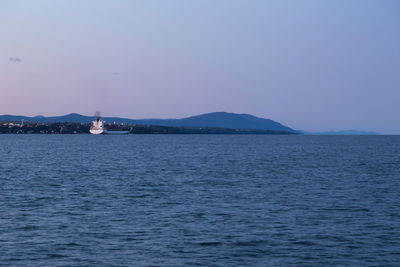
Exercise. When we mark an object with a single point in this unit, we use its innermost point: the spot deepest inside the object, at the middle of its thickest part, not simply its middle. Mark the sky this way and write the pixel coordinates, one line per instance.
(314, 65)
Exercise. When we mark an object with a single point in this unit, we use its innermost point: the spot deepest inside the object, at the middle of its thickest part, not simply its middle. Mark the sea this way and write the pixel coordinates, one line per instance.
(199, 200)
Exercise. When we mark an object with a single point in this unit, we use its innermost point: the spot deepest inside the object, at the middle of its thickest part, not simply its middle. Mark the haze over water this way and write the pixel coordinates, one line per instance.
(172, 200)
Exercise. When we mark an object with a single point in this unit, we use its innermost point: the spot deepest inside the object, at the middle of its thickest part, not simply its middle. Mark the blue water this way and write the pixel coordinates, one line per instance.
(171, 200)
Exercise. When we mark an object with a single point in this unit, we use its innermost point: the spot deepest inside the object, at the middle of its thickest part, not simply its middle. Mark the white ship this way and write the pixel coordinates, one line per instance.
(99, 127)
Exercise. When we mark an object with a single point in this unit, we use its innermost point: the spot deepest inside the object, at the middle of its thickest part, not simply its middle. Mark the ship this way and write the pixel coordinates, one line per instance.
(100, 127)
(97, 126)
(117, 129)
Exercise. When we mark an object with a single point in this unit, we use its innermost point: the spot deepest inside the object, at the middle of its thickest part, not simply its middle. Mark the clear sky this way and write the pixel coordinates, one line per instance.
(314, 65)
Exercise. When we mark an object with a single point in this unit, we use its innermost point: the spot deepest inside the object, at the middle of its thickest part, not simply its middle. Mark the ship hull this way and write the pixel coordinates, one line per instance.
(97, 131)
(116, 132)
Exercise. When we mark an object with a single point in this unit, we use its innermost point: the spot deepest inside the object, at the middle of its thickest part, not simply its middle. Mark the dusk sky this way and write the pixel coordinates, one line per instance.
(313, 65)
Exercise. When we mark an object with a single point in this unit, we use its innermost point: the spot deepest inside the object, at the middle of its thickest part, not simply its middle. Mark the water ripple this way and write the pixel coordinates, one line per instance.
(199, 200)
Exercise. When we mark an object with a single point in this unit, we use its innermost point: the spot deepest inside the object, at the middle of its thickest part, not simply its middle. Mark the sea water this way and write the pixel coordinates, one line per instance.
(199, 200)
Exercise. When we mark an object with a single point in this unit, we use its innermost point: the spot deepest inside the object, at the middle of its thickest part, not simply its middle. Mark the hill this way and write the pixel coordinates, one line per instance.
(215, 120)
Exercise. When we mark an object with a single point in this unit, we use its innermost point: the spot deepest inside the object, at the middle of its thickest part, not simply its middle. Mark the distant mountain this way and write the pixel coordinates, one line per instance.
(344, 132)
(73, 117)
(224, 120)
(215, 119)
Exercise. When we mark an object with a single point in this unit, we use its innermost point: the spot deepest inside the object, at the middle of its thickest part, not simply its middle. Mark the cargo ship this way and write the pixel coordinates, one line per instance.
(100, 127)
